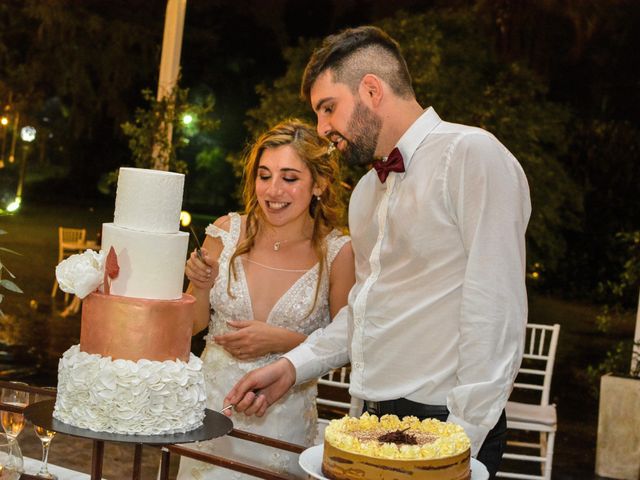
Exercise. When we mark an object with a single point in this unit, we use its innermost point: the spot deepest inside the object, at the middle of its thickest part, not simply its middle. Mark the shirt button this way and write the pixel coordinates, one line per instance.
(357, 366)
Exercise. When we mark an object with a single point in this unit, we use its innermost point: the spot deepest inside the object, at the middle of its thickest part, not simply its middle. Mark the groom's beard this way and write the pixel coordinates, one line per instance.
(364, 127)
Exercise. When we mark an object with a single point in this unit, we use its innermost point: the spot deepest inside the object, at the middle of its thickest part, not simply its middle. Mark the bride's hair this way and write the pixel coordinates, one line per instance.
(327, 211)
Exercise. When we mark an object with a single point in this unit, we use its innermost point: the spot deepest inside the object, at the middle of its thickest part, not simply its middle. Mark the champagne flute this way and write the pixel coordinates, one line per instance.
(45, 436)
(13, 422)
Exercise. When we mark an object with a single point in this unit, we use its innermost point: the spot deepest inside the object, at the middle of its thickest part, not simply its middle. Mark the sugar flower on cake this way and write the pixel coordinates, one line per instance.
(81, 273)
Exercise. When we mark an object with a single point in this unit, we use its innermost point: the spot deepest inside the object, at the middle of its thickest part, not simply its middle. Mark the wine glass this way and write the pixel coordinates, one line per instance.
(45, 436)
(11, 463)
(13, 422)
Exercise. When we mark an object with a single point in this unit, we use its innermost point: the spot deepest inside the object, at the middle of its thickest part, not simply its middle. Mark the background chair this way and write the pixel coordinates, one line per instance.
(335, 385)
(70, 241)
(531, 420)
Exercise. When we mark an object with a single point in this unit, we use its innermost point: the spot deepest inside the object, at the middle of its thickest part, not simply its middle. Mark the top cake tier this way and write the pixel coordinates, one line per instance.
(149, 200)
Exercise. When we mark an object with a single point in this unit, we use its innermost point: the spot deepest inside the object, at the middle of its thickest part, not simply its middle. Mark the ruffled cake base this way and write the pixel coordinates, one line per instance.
(126, 397)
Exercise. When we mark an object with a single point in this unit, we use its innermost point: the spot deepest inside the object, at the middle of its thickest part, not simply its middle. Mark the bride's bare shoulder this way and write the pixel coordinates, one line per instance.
(223, 222)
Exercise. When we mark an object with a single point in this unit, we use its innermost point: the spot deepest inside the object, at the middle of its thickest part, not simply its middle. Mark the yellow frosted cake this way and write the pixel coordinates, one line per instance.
(389, 448)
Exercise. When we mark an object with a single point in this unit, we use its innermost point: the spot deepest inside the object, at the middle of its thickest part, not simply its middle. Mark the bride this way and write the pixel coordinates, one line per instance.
(265, 280)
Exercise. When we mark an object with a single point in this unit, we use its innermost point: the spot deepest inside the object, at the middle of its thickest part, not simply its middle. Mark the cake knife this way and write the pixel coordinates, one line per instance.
(198, 246)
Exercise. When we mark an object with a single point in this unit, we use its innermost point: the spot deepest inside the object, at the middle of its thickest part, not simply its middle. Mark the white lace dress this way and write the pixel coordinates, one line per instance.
(293, 418)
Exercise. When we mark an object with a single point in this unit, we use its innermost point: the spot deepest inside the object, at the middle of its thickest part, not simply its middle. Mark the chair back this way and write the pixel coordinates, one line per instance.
(70, 240)
(535, 373)
(333, 400)
(337, 382)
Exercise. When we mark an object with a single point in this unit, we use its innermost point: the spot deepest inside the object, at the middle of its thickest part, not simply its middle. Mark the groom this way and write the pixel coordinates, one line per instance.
(435, 322)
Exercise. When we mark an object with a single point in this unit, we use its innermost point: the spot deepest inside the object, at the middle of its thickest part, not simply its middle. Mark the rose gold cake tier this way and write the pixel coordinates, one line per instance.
(338, 464)
(136, 328)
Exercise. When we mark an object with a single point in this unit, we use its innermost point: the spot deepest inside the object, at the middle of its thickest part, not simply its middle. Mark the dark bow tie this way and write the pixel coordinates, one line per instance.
(394, 163)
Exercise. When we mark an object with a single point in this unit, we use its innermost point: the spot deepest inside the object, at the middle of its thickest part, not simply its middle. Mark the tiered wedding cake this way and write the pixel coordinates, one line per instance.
(133, 372)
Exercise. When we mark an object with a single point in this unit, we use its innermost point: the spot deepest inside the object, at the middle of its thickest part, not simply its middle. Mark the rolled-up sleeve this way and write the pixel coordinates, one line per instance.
(489, 198)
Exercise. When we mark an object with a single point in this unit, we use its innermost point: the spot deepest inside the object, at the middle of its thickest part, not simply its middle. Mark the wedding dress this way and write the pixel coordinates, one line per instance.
(293, 418)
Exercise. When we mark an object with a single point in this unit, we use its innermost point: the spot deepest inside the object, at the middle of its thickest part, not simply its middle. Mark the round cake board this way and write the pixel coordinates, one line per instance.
(311, 463)
(215, 424)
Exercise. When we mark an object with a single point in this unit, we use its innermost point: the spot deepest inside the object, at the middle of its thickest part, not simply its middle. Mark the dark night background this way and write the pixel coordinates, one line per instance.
(556, 81)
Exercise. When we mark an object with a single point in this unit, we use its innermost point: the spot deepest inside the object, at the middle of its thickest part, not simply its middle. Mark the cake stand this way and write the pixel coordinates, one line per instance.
(215, 424)
(311, 463)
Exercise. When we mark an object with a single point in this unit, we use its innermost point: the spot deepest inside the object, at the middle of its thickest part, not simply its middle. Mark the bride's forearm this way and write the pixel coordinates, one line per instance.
(201, 309)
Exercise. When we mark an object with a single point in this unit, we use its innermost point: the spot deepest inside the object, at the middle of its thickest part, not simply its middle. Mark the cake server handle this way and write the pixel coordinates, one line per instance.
(226, 408)
(198, 246)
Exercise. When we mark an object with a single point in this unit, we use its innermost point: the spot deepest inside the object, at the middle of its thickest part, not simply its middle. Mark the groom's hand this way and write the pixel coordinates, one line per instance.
(261, 388)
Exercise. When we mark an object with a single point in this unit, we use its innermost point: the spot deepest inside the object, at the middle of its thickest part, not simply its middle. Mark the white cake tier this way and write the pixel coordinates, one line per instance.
(149, 200)
(122, 396)
(151, 264)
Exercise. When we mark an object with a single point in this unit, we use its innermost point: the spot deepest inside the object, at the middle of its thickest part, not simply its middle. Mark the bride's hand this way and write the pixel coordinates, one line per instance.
(201, 271)
(251, 340)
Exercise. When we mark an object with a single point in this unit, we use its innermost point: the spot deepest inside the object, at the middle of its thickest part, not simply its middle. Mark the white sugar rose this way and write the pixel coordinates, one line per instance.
(82, 273)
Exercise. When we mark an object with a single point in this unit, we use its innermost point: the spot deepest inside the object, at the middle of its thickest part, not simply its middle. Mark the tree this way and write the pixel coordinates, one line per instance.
(89, 60)
(455, 69)
(149, 129)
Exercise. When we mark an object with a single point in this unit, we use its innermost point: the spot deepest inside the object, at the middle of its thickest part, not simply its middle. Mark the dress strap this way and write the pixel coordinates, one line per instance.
(229, 238)
(335, 241)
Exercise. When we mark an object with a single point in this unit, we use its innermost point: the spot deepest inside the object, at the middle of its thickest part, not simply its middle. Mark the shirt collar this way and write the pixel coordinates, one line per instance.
(415, 134)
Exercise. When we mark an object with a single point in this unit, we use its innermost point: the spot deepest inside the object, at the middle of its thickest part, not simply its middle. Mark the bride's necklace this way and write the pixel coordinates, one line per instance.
(278, 243)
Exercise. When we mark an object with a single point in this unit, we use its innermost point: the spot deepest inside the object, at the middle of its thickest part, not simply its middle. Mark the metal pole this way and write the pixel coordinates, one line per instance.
(137, 462)
(96, 460)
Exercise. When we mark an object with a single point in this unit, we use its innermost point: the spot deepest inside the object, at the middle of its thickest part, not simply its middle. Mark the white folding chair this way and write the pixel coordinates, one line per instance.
(70, 241)
(532, 420)
(336, 406)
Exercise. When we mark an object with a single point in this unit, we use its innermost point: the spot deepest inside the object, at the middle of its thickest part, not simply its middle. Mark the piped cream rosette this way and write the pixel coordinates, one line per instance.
(435, 439)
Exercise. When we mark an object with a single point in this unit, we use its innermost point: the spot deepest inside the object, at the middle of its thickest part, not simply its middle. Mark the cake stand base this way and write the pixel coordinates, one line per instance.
(215, 424)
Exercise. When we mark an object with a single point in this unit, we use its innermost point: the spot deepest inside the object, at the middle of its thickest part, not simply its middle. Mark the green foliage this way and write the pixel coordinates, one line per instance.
(622, 292)
(149, 140)
(616, 362)
(454, 68)
(212, 180)
(5, 283)
(41, 44)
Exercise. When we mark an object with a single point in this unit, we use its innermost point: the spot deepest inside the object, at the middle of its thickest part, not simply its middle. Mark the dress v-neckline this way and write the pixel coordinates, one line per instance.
(245, 286)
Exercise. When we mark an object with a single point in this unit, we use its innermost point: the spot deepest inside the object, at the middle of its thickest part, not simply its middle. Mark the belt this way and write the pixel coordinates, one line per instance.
(403, 407)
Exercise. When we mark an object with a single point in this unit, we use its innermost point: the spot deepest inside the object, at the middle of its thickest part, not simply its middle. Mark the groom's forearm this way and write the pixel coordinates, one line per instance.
(324, 349)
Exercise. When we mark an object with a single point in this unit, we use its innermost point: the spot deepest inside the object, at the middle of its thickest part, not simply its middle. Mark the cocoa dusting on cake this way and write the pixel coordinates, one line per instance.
(379, 435)
(398, 437)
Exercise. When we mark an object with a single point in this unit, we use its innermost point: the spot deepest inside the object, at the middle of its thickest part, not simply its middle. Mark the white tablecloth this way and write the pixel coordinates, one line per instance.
(32, 466)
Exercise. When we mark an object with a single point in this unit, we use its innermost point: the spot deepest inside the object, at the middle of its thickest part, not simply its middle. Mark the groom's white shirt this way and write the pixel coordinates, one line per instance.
(438, 311)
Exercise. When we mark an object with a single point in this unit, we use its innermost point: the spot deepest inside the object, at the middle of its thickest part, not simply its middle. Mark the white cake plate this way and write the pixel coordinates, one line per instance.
(311, 462)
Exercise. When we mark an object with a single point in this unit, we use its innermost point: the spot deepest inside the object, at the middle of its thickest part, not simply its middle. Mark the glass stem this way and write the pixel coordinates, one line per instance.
(45, 457)
(12, 442)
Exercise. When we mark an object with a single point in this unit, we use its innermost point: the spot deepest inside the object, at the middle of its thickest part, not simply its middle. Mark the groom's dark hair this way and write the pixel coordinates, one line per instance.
(355, 52)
